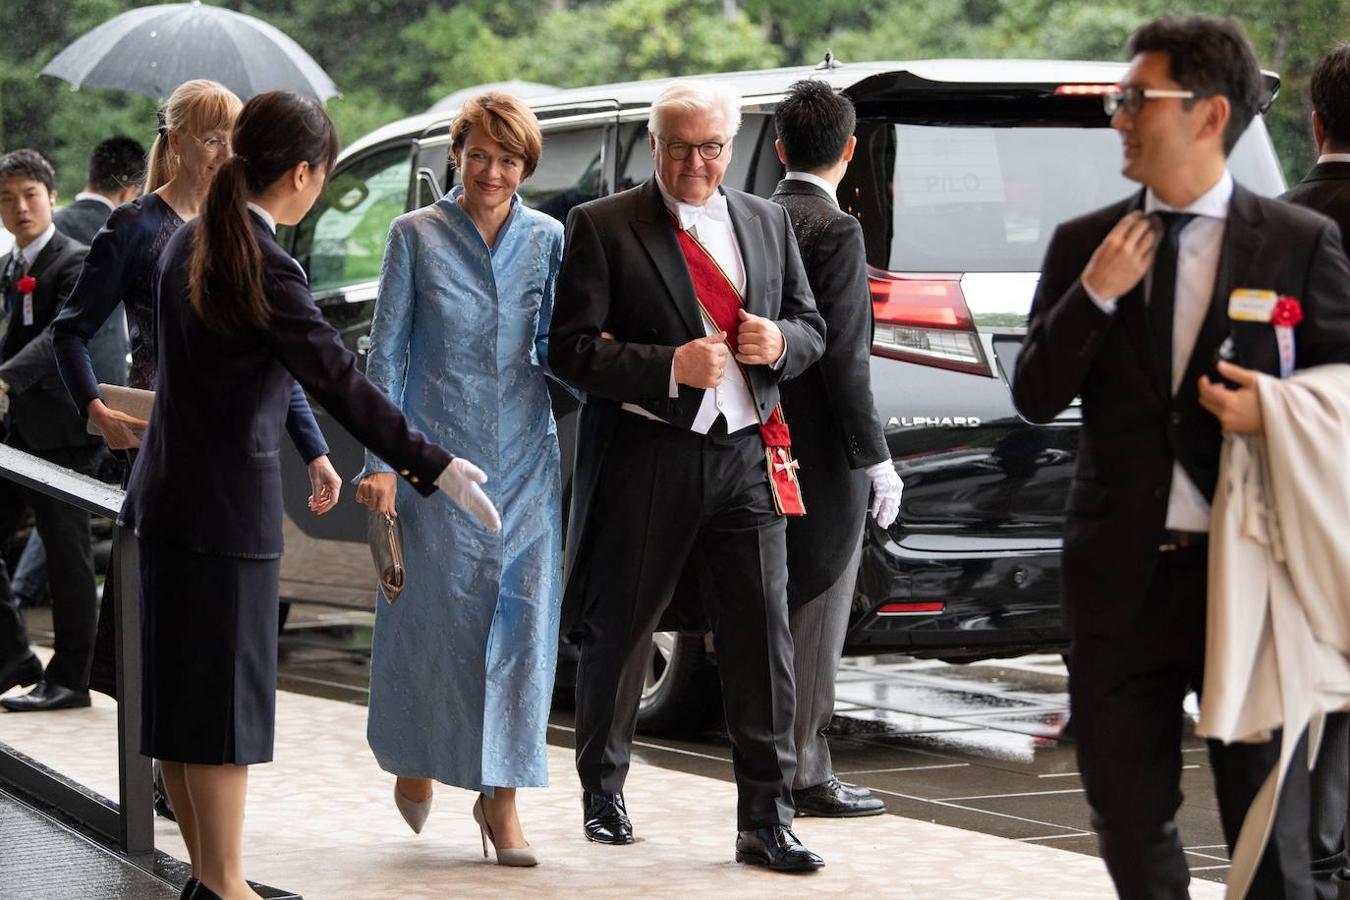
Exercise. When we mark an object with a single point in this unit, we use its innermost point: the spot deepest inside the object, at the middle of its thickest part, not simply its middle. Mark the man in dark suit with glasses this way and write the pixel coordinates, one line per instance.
(1132, 309)
(680, 307)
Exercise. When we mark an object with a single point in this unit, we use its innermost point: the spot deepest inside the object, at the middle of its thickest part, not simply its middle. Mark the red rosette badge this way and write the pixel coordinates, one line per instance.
(1288, 312)
(27, 284)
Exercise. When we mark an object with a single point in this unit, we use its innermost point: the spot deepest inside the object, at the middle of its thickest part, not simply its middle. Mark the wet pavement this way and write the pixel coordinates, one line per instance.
(976, 746)
(43, 858)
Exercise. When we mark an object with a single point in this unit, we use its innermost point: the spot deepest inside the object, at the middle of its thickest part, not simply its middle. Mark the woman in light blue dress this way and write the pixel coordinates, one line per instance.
(462, 665)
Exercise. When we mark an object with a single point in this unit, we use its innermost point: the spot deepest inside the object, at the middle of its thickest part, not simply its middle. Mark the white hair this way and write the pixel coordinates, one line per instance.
(697, 96)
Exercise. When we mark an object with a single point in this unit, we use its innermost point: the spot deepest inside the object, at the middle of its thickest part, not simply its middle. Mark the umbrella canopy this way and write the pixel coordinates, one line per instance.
(154, 49)
(521, 89)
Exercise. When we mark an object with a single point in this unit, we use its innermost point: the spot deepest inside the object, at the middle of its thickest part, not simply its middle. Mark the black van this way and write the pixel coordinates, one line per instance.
(963, 170)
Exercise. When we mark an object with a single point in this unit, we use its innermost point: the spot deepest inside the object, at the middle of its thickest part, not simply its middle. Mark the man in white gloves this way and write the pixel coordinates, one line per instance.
(836, 435)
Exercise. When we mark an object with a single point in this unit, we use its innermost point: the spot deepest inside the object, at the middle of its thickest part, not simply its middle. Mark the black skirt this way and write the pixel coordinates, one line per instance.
(209, 656)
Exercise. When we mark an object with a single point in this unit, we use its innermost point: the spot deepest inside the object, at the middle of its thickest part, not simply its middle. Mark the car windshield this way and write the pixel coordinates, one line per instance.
(949, 198)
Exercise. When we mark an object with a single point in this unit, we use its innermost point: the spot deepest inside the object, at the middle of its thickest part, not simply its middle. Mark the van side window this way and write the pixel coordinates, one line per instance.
(635, 156)
(433, 166)
(768, 171)
(570, 171)
(341, 242)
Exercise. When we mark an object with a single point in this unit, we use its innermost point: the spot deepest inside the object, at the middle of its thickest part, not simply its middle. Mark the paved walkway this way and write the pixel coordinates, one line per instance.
(322, 823)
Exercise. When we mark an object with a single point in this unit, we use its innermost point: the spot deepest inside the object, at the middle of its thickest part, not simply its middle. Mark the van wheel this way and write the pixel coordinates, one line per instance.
(681, 695)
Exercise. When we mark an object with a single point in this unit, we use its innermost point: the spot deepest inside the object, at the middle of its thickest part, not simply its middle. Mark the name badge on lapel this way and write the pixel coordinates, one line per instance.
(28, 309)
(1247, 305)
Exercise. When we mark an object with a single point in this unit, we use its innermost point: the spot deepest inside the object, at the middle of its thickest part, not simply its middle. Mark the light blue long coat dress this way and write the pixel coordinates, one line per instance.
(462, 665)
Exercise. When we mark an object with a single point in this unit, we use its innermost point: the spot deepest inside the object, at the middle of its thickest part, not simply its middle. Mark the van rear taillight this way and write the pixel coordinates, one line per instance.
(925, 320)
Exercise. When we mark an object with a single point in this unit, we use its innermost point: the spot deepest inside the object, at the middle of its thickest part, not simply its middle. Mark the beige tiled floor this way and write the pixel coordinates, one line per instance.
(321, 822)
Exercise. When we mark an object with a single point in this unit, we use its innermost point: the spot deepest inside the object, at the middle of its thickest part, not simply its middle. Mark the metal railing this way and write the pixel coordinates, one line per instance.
(129, 823)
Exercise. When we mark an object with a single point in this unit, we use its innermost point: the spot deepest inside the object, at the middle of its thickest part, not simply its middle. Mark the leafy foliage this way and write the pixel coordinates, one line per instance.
(396, 57)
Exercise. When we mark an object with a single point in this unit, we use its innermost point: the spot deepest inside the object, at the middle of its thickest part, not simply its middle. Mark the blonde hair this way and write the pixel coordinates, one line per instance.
(697, 96)
(504, 119)
(194, 108)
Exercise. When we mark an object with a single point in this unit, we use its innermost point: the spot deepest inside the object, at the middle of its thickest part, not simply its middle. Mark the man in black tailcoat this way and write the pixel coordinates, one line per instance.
(671, 463)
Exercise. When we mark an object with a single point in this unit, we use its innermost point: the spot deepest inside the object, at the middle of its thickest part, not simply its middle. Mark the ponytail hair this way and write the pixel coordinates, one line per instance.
(194, 108)
(275, 132)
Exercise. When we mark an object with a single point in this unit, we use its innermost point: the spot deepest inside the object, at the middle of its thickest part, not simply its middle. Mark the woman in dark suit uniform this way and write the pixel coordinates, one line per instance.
(236, 324)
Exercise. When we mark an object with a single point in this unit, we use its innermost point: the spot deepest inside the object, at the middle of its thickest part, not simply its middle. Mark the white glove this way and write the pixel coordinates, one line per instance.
(887, 487)
(460, 482)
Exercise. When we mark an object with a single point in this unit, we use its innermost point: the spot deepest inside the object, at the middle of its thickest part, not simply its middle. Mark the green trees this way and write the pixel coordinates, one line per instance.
(396, 57)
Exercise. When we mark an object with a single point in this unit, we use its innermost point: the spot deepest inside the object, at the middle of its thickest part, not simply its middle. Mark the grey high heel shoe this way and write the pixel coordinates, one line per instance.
(506, 856)
(414, 812)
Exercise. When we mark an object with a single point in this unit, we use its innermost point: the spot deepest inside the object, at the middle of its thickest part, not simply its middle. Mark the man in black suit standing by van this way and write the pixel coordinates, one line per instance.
(1132, 308)
(836, 435)
(37, 278)
(1326, 188)
(116, 176)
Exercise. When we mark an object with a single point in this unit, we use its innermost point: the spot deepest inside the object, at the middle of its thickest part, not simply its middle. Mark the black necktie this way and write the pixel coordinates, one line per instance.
(11, 282)
(1163, 292)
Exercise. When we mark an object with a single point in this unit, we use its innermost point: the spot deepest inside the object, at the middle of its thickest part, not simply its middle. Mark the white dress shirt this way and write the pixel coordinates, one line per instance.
(1333, 157)
(819, 182)
(711, 226)
(90, 195)
(1199, 247)
(35, 247)
(263, 214)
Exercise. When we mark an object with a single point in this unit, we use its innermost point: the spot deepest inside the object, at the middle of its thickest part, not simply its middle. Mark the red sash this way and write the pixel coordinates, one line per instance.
(720, 301)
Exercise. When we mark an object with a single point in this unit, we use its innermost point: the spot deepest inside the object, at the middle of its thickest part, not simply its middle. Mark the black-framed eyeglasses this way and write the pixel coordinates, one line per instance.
(679, 150)
(1131, 98)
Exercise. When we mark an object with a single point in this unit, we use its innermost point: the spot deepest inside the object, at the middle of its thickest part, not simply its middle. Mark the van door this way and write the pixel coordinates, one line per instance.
(340, 244)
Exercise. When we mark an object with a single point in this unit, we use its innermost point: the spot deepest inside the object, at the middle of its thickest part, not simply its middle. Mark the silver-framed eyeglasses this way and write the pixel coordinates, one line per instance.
(1131, 98)
(214, 144)
(679, 150)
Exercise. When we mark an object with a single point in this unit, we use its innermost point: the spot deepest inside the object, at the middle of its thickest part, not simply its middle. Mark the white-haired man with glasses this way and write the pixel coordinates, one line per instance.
(680, 306)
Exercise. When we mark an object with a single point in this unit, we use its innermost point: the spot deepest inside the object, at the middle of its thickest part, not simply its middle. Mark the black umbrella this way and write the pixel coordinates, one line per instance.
(154, 49)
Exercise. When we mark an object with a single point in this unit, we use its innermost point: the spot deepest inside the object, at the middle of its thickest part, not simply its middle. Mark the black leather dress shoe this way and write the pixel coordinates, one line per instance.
(606, 818)
(835, 800)
(775, 847)
(46, 696)
(188, 889)
(20, 672)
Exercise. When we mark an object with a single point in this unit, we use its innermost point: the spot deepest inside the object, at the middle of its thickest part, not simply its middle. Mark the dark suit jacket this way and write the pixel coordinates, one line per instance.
(1326, 188)
(835, 432)
(208, 476)
(1133, 428)
(42, 415)
(623, 272)
(82, 219)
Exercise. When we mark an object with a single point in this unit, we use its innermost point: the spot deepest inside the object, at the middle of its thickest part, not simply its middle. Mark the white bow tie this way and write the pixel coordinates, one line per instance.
(714, 210)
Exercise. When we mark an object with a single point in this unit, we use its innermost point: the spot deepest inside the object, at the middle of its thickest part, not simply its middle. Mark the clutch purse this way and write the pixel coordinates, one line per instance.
(132, 401)
(385, 536)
